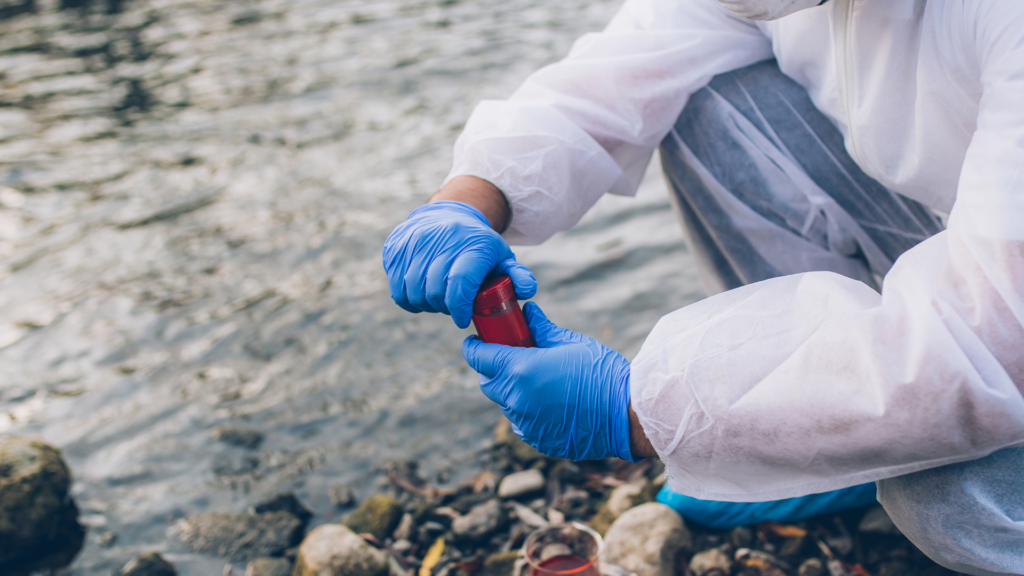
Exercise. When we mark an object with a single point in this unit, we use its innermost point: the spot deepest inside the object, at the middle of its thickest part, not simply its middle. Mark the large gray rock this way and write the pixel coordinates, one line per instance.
(521, 483)
(240, 537)
(646, 539)
(149, 564)
(38, 522)
(335, 550)
(480, 521)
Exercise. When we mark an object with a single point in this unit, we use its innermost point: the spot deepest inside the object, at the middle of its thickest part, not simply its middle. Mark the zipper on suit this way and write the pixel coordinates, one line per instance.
(844, 64)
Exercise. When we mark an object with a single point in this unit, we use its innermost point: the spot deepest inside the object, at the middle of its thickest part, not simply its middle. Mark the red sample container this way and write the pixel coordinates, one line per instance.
(497, 317)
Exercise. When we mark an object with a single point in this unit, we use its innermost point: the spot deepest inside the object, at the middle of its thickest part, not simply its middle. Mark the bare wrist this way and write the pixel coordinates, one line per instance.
(480, 194)
(639, 445)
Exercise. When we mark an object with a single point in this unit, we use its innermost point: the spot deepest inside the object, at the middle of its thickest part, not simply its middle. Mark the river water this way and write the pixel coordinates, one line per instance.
(193, 200)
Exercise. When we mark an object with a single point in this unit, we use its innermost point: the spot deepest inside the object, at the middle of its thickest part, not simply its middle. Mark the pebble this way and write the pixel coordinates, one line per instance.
(285, 502)
(239, 537)
(378, 515)
(711, 562)
(247, 438)
(479, 522)
(554, 551)
(149, 564)
(39, 526)
(645, 540)
(269, 567)
(811, 567)
(521, 483)
(342, 496)
(877, 521)
(405, 528)
(335, 550)
(621, 499)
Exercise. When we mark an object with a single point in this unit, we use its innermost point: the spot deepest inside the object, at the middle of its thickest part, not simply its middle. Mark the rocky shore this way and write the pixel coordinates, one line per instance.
(474, 528)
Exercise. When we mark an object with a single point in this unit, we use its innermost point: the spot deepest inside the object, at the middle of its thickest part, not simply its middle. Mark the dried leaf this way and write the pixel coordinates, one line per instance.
(783, 530)
(432, 557)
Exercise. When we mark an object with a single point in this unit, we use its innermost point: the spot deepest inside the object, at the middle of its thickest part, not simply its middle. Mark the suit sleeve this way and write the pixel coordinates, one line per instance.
(588, 124)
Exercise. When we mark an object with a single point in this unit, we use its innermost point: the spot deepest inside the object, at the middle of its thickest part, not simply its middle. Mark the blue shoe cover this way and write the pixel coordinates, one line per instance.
(725, 515)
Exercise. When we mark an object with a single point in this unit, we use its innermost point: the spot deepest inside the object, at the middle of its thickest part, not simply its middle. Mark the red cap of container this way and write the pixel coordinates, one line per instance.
(492, 293)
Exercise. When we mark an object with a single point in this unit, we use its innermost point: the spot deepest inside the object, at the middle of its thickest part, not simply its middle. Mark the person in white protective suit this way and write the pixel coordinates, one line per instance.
(850, 175)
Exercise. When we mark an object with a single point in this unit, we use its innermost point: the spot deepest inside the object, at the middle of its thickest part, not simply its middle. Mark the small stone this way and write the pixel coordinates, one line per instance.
(39, 526)
(877, 521)
(566, 471)
(335, 550)
(521, 483)
(711, 562)
(405, 528)
(646, 539)
(741, 536)
(401, 546)
(247, 438)
(107, 539)
(378, 515)
(479, 522)
(149, 564)
(342, 496)
(406, 470)
(428, 532)
(240, 537)
(269, 567)
(285, 502)
(500, 564)
(621, 499)
(811, 567)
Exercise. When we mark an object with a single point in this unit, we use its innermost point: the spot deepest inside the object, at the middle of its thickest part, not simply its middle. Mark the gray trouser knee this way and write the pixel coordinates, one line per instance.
(969, 517)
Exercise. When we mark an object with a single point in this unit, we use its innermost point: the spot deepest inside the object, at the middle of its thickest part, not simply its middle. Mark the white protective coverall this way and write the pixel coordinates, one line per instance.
(810, 382)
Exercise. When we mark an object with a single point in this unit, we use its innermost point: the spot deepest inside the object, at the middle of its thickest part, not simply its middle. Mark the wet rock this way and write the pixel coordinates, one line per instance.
(378, 515)
(479, 522)
(335, 550)
(500, 564)
(39, 526)
(741, 536)
(248, 438)
(645, 540)
(566, 471)
(285, 502)
(342, 496)
(239, 537)
(521, 483)
(269, 567)
(149, 564)
(621, 499)
(107, 539)
(877, 521)
(811, 567)
(792, 546)
(711, 563)
(405, 528)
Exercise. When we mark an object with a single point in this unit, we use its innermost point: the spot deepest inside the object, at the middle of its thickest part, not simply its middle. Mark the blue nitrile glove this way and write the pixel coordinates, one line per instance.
(437, 259)
(568, 398)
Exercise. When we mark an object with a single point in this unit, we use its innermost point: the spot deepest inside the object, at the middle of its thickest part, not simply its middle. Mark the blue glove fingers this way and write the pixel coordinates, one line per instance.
(522, 278)
(487, 359)
(545, 333)
(415, 282)
(436, 284)
(464, 279)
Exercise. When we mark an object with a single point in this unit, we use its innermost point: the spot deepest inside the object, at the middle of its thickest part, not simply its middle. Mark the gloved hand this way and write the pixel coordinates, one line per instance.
(568, 398)
(437, 259)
